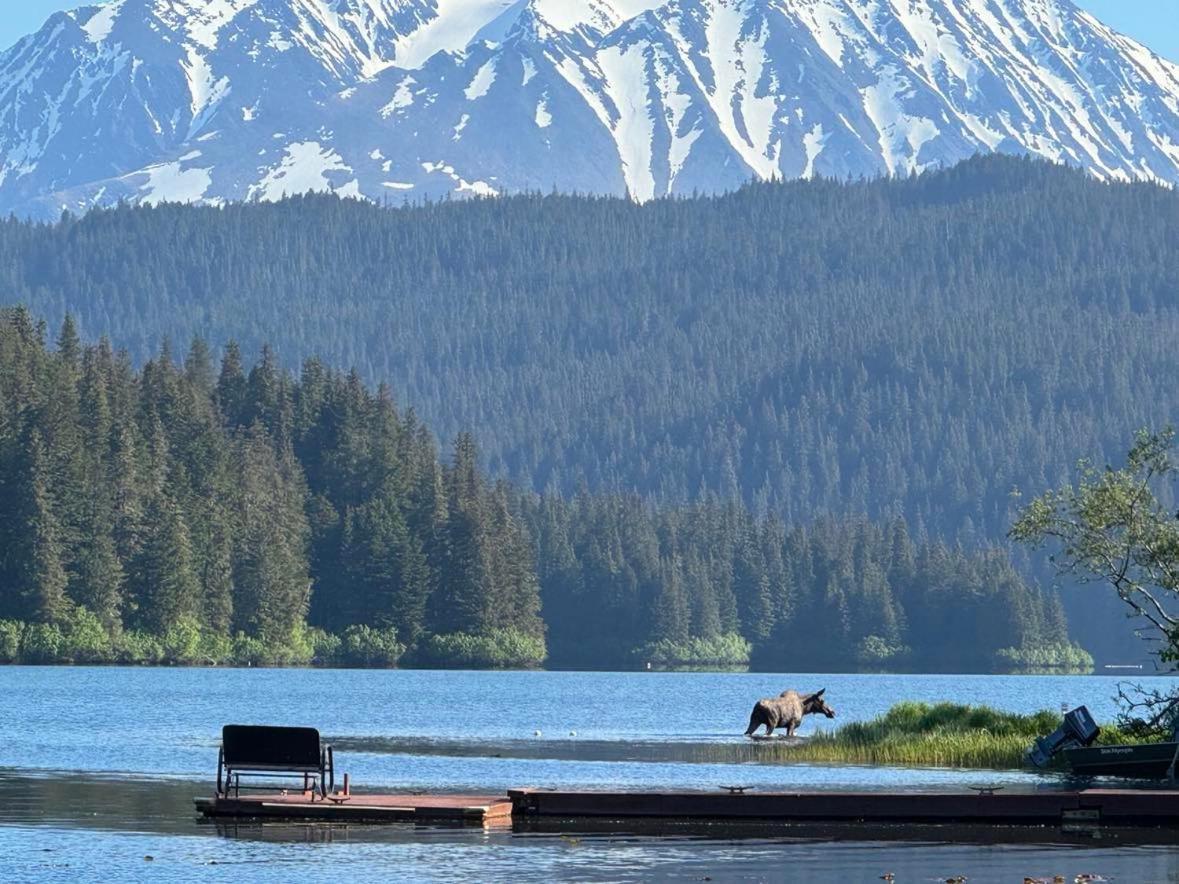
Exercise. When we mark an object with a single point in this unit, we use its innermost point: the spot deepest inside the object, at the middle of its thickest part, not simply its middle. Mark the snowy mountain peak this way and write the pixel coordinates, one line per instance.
(214, 100)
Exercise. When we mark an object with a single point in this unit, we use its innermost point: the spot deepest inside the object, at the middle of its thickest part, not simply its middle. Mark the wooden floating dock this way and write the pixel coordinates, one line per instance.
(1092, 807)
(478, 810)
(1085, 808)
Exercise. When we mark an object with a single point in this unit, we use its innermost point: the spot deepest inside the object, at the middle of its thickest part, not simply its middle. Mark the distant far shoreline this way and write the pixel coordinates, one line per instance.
(661, 670)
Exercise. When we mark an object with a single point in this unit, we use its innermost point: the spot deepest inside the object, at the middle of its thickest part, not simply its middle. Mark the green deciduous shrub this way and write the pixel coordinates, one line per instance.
(725, 650)
(248, 650)
(873, 650)
(10, 634)
(42, 643)
(367, 646)
(498, 649)
(1055, 655)
(325, 647)
(182, 641)
(135, 646)
(85, 639)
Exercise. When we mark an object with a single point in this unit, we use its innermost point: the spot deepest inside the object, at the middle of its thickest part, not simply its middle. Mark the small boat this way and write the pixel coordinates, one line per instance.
(1141, 761)
(1077, 731)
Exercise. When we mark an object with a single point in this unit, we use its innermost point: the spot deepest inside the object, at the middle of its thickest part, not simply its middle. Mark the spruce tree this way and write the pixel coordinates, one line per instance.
(97, 576)
(231, 392)
(461, 604)
(37, 557)
(198, 367)
(270, 572)
(165, 588)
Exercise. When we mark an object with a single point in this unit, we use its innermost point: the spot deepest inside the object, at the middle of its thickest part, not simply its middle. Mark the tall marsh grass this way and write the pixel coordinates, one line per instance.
(921, 734)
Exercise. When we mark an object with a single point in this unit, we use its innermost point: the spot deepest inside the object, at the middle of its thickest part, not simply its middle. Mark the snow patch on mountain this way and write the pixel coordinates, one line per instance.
(462, 185)
(902, 136)
(205, 90)
(168, 183)
(455, 24)
(480, 84)
(624, 71)
(99, 26)
(813, 142)
(402, 98)
(303, 169)
(204, 19)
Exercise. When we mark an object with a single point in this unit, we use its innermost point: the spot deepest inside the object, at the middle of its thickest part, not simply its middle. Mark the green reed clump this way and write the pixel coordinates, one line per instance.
(923, 734)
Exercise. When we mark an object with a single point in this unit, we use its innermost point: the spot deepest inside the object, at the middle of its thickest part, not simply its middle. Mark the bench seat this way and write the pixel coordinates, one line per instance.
(269, 751)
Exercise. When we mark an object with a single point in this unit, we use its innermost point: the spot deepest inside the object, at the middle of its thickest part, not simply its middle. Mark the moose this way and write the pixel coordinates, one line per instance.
(786, 710)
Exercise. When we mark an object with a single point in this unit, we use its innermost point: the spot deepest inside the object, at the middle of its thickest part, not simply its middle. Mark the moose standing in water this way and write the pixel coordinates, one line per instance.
(786, 710)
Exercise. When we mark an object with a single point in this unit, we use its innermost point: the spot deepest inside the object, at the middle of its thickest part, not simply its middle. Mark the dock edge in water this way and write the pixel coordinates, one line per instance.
(1096, 807)
(1112, 807)
(450, 809)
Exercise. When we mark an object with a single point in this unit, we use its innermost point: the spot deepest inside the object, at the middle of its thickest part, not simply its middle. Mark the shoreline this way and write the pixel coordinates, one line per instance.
(698, 670)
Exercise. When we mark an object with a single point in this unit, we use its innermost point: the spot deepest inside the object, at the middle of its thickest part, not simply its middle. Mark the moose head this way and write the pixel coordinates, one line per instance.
(812, 704)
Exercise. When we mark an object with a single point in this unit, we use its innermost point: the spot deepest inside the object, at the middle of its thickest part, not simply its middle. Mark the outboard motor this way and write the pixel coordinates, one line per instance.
(1079, 729)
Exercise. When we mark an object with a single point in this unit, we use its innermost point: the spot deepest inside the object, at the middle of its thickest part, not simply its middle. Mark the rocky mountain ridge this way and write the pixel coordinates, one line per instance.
(217, 100)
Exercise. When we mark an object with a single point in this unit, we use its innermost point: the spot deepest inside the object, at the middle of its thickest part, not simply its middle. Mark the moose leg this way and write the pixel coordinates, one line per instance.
(762, 715)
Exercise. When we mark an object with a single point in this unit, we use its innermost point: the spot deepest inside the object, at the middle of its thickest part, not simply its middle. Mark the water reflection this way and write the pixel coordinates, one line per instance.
(314, 832)
(165, 806)
(112, 802)
(72, 827)
(696, 749)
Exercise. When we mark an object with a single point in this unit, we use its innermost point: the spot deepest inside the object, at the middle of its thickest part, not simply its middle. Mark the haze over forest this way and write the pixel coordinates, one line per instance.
(191, 514)
(908, 349)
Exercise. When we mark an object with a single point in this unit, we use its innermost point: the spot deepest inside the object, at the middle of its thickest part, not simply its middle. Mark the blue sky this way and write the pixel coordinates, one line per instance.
(1154, 22)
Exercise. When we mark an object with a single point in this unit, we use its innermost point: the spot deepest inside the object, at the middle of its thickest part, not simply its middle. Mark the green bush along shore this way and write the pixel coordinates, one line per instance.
(82, 639)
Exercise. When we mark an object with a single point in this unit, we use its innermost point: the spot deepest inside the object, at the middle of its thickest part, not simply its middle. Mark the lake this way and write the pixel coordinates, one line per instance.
(98, 767)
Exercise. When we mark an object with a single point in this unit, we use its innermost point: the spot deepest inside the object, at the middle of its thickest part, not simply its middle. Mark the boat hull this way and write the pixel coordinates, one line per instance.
(1145, 761)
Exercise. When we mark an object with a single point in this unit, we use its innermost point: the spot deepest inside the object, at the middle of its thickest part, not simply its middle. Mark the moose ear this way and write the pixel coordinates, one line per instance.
(820, 693)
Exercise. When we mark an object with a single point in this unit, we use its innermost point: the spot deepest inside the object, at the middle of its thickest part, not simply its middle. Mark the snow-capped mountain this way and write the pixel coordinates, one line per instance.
(214, 100)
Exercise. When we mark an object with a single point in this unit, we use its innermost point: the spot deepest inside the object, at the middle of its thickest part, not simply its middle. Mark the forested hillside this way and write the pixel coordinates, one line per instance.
(910, 348)
(193, 512)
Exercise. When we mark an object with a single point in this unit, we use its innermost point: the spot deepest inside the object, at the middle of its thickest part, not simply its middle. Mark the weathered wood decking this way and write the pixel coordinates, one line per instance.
(453, 809)
(1142, 808)
(1106, 807)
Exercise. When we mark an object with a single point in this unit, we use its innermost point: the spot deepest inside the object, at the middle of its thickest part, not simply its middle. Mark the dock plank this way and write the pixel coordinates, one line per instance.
(1047, 807)
(465, 809)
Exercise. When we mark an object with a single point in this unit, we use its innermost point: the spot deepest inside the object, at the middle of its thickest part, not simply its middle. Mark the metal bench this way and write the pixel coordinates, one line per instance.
(263, 751)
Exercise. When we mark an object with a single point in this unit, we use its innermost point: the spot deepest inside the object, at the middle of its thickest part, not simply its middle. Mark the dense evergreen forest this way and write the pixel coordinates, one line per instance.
(912, 349)
(191, 511)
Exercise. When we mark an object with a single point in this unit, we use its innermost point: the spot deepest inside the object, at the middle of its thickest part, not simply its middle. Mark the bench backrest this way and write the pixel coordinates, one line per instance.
(248, 745)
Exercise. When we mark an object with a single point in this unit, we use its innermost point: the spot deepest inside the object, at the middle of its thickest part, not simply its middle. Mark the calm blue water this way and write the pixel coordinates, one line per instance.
(98, 767)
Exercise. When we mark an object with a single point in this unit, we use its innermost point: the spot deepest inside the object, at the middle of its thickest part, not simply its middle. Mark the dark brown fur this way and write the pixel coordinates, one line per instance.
(786, 710)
